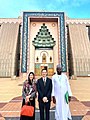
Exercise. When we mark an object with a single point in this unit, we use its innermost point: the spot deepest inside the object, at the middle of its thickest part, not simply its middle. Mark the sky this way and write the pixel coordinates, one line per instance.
(72, 8)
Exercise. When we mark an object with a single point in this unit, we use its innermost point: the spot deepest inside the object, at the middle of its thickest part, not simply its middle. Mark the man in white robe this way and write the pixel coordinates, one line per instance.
(60, 87)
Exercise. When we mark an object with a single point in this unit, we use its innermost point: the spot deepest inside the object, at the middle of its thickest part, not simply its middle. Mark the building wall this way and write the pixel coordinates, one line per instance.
(78, 49)
(76, 60)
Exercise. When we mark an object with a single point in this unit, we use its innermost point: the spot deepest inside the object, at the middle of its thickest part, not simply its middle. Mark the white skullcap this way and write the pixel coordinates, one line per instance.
(58, 66)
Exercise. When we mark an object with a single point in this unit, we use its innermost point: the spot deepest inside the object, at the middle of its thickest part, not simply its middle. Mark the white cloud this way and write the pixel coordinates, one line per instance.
(69, 3)
(79, 2)
(14, 7)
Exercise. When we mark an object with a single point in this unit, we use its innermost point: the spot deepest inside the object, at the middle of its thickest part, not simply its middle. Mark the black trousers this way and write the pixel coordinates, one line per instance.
(44, 110)
(31, 103)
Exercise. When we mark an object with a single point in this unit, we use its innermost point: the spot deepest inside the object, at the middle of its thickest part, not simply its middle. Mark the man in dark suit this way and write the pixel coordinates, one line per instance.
(44, 88)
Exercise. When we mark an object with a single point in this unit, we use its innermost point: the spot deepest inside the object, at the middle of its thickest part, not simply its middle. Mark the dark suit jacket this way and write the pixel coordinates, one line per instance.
(44, 91)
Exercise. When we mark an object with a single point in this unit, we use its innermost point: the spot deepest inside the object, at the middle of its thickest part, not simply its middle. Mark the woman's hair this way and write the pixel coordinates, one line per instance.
(29, 77)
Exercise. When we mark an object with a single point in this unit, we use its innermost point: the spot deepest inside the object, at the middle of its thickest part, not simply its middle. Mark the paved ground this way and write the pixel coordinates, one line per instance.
(10, 99)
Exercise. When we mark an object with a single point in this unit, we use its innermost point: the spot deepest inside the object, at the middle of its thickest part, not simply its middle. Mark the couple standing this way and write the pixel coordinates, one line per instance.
(55, 88)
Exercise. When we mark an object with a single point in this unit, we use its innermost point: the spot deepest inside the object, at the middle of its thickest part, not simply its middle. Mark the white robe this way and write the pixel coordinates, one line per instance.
(60, 87)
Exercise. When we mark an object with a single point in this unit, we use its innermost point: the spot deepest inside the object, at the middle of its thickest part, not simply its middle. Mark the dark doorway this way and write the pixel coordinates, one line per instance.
(45, 67)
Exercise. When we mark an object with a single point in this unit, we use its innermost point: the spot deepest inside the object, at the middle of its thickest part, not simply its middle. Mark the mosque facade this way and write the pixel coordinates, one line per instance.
(38, 40)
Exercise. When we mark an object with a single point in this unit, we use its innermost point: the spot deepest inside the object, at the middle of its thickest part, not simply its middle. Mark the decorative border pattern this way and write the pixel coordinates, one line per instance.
(25, 36)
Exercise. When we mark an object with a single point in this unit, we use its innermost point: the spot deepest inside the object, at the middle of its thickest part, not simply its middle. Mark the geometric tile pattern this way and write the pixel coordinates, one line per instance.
(43, 38)
(25, 34)
(12, 110)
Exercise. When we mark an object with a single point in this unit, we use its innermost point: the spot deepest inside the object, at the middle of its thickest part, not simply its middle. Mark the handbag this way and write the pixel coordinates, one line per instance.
(66, 97)
(27, 111)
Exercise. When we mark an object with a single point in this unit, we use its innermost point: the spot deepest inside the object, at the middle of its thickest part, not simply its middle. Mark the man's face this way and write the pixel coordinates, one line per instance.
(59, 70)
(44, 73)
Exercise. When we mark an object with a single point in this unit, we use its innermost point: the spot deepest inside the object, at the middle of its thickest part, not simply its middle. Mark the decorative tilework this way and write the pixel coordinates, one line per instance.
(50, 65)
(37, 65)
(43, 38)
(25, 36)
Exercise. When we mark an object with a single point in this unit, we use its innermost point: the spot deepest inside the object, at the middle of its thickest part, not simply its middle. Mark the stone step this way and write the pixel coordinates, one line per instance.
(17, 118)
(37, 117)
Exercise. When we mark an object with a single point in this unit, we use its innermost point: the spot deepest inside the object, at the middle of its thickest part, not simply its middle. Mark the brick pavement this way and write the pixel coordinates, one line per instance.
(10, 98)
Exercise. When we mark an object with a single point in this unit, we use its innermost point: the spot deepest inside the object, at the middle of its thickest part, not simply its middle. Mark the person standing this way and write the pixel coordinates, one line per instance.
(60, 89)
(29, 94)
(44, 89)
